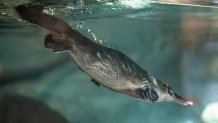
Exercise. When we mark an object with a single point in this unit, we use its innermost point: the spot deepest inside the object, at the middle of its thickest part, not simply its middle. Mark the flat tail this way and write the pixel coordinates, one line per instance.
(34, 14)
(56, 44)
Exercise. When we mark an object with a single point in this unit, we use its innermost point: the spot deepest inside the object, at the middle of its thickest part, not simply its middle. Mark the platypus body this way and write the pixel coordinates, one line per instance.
(106, 66)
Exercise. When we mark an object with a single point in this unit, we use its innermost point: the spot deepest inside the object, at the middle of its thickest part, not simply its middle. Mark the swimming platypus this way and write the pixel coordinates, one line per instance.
(106, 66)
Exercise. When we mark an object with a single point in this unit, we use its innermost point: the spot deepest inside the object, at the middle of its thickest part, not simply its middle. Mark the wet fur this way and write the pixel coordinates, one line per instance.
(109, 67)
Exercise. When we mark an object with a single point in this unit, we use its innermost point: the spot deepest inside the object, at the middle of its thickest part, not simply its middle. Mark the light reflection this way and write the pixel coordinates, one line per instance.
(136, 4)
(189, 121)
(210, 113)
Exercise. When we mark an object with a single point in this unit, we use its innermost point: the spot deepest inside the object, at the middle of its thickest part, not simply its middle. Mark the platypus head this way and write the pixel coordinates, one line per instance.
(165, 93)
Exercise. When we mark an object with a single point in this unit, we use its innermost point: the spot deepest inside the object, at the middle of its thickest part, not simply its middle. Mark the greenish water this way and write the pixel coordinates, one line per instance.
(176, 43)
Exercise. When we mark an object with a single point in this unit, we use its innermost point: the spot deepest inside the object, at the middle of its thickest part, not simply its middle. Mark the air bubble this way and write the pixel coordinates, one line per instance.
(49, 11)
(93, 36)
(80, 25)
(100, 41)
(3, 13)
(80, 3)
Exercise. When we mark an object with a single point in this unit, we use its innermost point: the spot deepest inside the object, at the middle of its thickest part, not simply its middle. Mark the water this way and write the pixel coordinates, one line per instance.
(176, 43)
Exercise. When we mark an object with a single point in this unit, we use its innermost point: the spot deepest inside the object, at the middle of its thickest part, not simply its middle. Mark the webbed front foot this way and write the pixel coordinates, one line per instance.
(147, 93)
(96, 82)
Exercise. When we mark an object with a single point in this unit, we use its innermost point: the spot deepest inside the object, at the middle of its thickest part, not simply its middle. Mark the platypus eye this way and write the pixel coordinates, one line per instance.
(166, 85)
(169, 90)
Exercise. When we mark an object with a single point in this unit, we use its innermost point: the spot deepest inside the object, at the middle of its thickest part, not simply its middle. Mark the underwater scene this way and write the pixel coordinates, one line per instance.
(62, 61)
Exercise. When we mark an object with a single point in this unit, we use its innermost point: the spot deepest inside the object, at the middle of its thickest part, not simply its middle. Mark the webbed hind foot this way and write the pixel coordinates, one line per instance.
(56, 44)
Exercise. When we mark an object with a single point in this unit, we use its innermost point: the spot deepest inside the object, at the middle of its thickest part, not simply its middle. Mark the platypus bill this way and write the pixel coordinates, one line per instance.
(107, 67)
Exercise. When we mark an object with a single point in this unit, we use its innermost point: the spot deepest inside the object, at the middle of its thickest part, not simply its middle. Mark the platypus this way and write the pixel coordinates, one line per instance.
(106, 66)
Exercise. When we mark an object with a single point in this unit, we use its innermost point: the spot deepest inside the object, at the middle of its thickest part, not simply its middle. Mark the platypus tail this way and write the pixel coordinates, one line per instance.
(35, 15)
(57, 27)
(61, 34)
(61, 37)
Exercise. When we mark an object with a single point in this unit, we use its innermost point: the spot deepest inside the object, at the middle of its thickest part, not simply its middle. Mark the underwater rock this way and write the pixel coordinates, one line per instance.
(20, 109)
